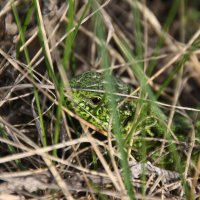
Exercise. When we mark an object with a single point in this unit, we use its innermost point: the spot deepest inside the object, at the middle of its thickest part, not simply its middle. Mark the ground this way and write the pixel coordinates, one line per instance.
(48, 150)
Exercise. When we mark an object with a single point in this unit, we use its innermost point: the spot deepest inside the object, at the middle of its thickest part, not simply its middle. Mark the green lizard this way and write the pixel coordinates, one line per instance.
(91, 102)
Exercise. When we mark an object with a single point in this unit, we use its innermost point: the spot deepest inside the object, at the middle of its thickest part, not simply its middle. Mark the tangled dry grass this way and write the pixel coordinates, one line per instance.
(46, 150)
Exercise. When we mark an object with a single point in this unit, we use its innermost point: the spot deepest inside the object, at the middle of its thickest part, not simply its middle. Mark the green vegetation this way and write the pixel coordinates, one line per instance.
(117, 81)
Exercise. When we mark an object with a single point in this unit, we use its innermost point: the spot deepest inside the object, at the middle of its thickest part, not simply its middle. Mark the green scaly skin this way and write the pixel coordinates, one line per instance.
(92, 104)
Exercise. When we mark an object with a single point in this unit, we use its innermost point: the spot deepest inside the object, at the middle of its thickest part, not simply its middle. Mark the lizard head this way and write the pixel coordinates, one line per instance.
(92, 103)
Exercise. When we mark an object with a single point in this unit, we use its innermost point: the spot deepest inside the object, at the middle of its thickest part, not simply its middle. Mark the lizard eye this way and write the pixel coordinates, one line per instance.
(95, 100)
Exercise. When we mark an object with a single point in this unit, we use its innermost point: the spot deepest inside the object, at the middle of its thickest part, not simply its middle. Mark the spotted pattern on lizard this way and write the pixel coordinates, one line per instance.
(91, 102)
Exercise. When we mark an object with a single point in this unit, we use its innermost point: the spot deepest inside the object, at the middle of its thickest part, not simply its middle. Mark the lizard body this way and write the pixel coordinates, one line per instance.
(92, 103)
